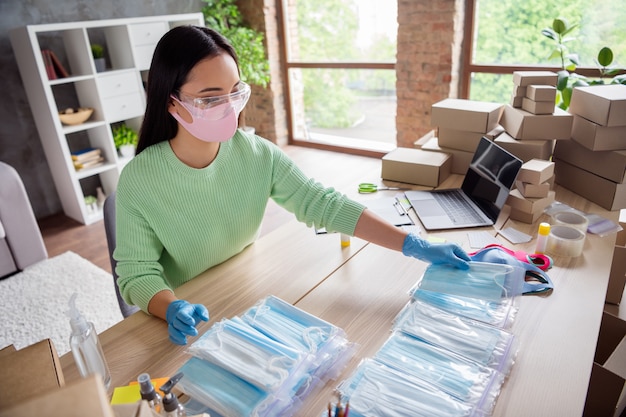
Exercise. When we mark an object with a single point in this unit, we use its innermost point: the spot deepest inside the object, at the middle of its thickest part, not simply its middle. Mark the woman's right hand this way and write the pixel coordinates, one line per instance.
(182, 319)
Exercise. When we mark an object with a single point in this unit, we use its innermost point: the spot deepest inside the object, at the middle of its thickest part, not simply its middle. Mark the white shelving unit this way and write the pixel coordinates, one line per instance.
(117, 94)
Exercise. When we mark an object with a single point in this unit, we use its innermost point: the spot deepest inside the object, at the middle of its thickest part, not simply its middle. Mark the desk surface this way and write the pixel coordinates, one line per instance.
(363, 287)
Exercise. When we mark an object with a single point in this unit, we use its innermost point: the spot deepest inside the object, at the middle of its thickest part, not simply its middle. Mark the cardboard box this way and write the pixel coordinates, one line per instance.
(541, 93)
(617, 276)
(621, 235)
(536, 171)
(139, 409)
(529, 205)
(29, 372)
(533, 190)
(521, 216)
(494, 133)
(523, 125)
(537, 107)
(603, 192)
(526, 78)
(470, 115)
(462, 140)
(596, 137)
(605, 396)
(606, 164)
(516, 101)
(85, 397)
(602, 104)
(527, 149)
(416, 166)
(460, 159)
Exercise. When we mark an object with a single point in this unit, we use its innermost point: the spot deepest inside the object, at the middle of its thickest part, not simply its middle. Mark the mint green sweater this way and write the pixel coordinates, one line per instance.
(174, 222)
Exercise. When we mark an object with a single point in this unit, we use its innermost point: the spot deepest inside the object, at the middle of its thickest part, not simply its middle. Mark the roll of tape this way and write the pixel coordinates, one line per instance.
(571, 218)
(565, 241)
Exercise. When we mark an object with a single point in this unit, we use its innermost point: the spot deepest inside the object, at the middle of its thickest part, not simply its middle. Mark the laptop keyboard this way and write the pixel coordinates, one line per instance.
(457, 208)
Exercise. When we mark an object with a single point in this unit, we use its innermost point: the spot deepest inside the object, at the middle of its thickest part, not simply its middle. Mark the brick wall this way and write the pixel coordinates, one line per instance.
(428, 61)
(266, 109)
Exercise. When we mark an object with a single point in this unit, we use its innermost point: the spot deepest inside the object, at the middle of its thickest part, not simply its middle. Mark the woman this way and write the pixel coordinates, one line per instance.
(195, 193)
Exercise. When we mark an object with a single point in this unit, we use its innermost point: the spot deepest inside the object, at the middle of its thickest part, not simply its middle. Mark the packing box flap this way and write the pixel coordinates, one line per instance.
(469, 115)
(29, 372)
(85, 397)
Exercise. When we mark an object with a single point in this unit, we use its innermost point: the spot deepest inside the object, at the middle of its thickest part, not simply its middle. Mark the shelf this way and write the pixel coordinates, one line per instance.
(67, 78)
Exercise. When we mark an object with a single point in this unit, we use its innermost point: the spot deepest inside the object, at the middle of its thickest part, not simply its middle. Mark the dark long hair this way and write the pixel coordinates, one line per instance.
(178, 51)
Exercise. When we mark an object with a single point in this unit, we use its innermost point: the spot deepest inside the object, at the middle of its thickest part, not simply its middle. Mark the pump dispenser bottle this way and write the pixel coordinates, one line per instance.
(86, 347)
(148, 392)
(171, 406)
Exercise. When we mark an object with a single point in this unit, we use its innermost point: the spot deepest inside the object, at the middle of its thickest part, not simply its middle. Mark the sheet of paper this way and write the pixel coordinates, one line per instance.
(479, 240)
(515, 236)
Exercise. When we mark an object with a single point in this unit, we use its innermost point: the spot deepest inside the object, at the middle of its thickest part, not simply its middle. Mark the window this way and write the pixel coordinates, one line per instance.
(505, 36)
(340, 58)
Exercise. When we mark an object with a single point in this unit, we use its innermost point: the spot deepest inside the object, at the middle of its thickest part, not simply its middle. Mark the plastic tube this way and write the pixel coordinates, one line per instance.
(542, 237)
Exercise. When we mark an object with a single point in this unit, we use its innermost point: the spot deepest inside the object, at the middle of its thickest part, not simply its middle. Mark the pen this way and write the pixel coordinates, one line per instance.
(347, 410)
(400, 210)
(338, 409)
(330, 410)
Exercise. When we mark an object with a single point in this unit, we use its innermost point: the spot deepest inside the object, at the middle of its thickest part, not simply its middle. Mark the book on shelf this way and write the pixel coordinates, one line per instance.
(47, 61)
(90, 163)
(54, 67)
(86, 154)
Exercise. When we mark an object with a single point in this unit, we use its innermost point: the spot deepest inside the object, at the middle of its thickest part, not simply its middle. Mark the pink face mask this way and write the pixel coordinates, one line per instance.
(214, 119)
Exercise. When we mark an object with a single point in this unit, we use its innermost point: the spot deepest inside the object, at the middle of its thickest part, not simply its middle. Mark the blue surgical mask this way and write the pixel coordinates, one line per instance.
(453, 374)
(485, 344)
(485, 281)
(239, 348)
(500, 314)
(377, 390)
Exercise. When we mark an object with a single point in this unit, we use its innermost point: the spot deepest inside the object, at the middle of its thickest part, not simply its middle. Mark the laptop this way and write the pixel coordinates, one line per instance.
(480, 199)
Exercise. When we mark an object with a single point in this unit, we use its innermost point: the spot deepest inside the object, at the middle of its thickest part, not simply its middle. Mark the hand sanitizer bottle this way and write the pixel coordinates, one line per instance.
(148, 392)
(171, 406)
(86, 347)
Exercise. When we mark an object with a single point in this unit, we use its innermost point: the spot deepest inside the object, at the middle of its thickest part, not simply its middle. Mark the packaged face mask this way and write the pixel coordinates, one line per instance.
(485, 281)
(377, 390)
(241, 349)
(460, 377)
(500, 314)
(485, 344)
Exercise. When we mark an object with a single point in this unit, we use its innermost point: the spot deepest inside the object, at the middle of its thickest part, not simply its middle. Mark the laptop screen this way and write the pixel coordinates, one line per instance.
(490, 177)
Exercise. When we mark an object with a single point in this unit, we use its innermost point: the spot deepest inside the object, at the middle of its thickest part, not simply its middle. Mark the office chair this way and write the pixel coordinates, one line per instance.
(109, 228)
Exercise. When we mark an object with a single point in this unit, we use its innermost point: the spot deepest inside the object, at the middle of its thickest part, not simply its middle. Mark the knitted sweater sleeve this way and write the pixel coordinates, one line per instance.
(310, 201)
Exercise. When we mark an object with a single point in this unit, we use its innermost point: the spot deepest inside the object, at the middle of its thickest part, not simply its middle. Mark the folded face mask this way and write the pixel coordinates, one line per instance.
(535, 281)
(486, 281)
(377, 390)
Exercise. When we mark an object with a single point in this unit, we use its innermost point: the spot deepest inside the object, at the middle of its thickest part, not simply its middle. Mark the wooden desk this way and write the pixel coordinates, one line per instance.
(363, 287)
(288, 263)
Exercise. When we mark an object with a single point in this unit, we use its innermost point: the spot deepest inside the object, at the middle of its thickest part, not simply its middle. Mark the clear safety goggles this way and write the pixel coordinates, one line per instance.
(205, 106)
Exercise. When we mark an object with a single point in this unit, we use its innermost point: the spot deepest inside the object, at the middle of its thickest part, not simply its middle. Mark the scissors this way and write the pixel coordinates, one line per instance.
(368, 187)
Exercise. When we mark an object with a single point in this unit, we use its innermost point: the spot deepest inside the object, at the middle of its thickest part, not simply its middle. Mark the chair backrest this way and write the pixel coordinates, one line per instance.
(109, 228)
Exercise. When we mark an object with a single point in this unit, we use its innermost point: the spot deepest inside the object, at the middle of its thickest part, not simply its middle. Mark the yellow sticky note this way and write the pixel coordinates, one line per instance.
(157, 382)
(126, 395)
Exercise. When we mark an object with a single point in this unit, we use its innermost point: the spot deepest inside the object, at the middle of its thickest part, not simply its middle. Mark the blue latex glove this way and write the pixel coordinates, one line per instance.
(436, 253)
(182, 318)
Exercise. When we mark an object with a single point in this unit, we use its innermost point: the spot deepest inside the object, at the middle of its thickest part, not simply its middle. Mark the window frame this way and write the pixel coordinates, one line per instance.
(287, 65)
(469, 67)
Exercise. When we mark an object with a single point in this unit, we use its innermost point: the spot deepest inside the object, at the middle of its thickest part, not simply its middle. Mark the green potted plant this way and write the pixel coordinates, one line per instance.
(224, 16)
(97, 52)
(125, 140)
(567, 77)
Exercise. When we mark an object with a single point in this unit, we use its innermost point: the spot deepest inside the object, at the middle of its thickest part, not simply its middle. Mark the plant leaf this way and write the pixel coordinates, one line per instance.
(605, 56)
(549, 33)
(563, 77)
(559, 25)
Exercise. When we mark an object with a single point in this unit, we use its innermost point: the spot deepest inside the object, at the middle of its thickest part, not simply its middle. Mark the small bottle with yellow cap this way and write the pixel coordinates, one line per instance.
(542, 237)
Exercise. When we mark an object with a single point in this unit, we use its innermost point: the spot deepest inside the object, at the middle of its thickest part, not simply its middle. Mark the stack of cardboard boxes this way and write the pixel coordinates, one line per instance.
(531, 122)
(460, 125)
(533, 192)
(593, 163)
